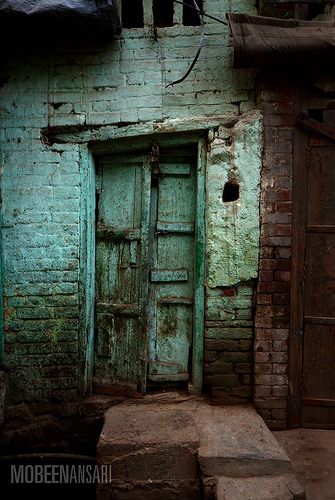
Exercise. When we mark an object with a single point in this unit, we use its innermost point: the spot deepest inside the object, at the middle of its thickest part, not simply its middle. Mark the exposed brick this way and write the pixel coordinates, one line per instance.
(264, 299)
(218, 367)
(276, 265)
(226, 380)
(279, 345)
(282, 299)
(271, 403)
(284, 207)
(262, 357)
(278, 414)
(280, 391)
(262, 391)
(265, 275)
(245, 345)
(210, 356)
(278, 195)
(243, 368)
(281, 322)
(280, 369)
(221, 345)
(263, 368)
(278, 107)
(282, 253)
(279, 357)
(261, 346)
(236, 357)
(271, 287)
(266, 252)
(271, 379)
(263, 322)
(265, 414)
(277, 229)
(283, 275)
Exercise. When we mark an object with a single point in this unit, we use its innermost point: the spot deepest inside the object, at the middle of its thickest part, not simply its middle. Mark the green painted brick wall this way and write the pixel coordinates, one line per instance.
(119, 85)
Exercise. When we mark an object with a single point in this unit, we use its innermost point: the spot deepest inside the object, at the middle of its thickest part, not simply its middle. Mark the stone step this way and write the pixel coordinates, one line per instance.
(152, 453)
(152, 446)
(235, 441)
(283, 487)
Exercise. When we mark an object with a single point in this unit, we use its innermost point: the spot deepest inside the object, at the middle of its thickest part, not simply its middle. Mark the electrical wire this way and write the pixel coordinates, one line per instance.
(201, 44)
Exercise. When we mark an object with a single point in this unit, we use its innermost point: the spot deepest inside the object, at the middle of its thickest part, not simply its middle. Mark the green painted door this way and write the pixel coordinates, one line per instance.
(145, 269)
(171, 278)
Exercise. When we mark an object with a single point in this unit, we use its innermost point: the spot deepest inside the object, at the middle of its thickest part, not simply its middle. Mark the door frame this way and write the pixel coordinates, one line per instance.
(132, 145)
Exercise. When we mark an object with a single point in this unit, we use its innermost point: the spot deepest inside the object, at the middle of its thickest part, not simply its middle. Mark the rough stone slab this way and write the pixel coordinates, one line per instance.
(236, 442)
(284, 487)
(149, 443)
(153, 490)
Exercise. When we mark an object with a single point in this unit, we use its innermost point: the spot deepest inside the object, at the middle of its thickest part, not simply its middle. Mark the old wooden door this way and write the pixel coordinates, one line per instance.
(145, 269)
(315, 261)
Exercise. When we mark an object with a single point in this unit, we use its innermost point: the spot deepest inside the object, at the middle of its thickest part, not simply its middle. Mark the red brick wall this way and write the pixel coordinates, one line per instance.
(273, 293)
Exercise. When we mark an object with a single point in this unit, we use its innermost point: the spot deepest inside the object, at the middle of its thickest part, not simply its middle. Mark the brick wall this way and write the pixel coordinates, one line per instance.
(118, 86)
(228, 343)
(273, 291)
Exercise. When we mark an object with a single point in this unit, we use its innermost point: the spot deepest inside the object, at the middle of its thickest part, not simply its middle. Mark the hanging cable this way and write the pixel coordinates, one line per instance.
(201, 44)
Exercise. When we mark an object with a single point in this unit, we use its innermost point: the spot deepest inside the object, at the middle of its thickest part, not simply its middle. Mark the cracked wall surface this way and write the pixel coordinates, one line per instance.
(119, 88)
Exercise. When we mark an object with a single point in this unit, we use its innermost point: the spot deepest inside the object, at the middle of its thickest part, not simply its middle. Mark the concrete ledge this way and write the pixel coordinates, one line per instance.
(284, 487)
(236, 442)
(153, 490)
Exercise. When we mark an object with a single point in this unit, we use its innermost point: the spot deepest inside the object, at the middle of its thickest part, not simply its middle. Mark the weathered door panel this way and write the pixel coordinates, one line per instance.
(145, 270)
(172, 276)
(318, 384)
(121, 251)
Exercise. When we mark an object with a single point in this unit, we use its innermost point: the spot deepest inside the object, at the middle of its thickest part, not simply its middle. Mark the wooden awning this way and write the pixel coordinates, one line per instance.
(267, 41)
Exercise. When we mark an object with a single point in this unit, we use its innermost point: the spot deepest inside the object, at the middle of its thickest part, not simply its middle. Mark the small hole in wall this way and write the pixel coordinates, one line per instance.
(231, 192)
(163, 13)
(132, 14)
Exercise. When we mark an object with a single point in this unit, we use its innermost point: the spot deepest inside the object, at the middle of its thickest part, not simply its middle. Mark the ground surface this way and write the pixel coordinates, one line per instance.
(312, 452)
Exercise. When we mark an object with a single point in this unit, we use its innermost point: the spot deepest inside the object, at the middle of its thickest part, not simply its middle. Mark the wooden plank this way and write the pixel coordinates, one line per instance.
(318, 127)
(318, 402)
(195, 386)
(188, 301)
(87, 275)
(321, 103)
(123, 309)
(144, 271)
(115, 234)
(133, 252)
(321, 229)
(121, 346)
(161, 368)
(321, 187)
(319, 355)
(320, 275)
(175, 252)
(175, 169)
(158, 275)
(179, 377)
(313, 320)
(297, 269)
(175, 227)
(318, 417)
